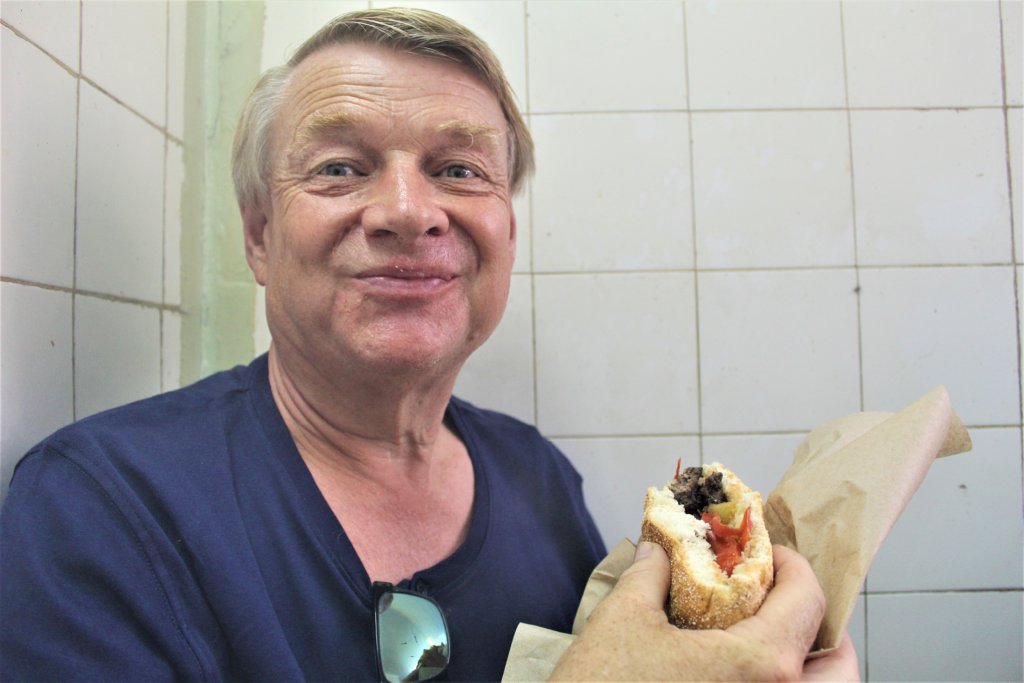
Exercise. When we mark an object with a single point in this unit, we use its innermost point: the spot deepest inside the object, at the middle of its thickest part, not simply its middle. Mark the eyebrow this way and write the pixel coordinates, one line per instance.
(332, 124)
(324, 125)
(472, 131)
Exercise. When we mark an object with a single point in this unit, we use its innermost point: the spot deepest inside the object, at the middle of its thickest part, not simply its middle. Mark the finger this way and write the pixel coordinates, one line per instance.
(839, 665)
(647, 579)
(792, 611)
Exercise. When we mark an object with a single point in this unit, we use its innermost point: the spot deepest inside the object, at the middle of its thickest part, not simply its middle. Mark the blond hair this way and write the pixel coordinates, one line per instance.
(409, 30)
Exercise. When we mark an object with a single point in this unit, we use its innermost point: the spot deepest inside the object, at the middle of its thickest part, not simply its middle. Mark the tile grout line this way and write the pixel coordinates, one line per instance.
(781, 110)
(553, 274)
(74, 220)
(693, 239)
(857, 289)
(103, 296)
(164, 132)
(79, 76)
(942, 591)
(853, 210)
(1015, 278)
(163, 217)
(801, 432)
(71, 71)
(529, 211)
(779, 269)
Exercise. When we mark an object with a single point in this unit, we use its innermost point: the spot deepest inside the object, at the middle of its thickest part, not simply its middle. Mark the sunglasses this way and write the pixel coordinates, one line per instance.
(412, 635)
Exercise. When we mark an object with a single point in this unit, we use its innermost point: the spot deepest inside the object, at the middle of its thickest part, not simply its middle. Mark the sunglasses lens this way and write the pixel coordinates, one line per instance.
(412, 636)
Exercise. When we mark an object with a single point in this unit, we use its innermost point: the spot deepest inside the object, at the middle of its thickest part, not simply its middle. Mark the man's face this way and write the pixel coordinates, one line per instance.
(389, 237)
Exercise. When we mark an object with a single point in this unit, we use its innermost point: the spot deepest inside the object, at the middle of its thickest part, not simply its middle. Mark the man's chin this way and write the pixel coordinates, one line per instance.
(411, 354)
(412, 369)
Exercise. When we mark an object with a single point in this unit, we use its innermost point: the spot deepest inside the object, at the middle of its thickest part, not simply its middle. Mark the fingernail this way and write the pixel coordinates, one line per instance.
(642, 551)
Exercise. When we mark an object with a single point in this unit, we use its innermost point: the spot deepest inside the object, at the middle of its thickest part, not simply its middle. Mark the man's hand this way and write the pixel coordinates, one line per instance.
(629, 637)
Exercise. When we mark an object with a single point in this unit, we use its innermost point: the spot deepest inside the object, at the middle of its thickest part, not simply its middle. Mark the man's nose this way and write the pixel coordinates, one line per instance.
(404, 204)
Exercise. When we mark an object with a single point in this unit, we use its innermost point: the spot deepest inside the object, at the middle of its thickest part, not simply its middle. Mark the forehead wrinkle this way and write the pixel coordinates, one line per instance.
(316, 89)
(310, 82)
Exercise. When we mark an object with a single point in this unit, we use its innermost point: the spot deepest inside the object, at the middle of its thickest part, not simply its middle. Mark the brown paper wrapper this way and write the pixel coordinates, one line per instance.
(849, 482)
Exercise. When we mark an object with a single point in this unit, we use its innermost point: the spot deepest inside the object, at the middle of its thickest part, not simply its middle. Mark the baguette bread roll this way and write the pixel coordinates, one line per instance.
(702, 594)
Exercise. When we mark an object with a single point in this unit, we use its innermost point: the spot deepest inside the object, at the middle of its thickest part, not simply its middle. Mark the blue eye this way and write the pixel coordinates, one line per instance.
(456, 171)
(337, 169)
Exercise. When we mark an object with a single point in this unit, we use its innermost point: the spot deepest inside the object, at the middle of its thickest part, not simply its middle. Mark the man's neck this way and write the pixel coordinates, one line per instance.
(369, 449)
(366, 426)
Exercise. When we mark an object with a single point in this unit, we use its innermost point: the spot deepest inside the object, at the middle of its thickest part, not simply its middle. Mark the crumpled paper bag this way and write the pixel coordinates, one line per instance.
(848, 484)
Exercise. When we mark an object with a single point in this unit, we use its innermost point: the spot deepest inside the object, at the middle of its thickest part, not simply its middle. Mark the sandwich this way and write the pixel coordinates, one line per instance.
(712, 528)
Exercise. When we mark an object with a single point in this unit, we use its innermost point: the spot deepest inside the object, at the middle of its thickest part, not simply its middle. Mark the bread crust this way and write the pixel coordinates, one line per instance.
(701, 595)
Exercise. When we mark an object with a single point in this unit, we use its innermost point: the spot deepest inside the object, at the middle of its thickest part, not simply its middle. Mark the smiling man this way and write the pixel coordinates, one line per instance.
(236, 529)
(331, 511)
(385, 241)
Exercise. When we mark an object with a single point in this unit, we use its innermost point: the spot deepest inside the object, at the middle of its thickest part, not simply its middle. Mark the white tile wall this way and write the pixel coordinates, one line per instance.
(959, 497)
(778, 349)
(117, 353)
(930, 54)
(120, 200)
(580, 222)
(177, 14)
(751, 218)
(1013, 54)
(174, 179)
(1015, 135)
(35, 363)
(616, 354)
(52, 26)
(931, 186)
(38, 192)
(945, 636)
(608, 56)
(954, 326)
(91, 210)
(764, 55)
(746, 164)
(130, 65)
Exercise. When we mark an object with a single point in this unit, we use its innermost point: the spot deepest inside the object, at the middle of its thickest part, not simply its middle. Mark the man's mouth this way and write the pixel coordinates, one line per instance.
(407, 280)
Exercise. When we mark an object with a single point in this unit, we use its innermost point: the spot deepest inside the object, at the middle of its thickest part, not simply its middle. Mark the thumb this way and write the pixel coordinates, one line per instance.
(647, 579)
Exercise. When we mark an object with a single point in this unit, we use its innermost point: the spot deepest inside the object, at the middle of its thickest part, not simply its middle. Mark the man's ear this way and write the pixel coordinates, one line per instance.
(513, 231)
(255, 225)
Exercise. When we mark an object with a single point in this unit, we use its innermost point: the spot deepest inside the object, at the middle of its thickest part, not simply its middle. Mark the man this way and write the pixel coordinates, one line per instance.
(235, 529)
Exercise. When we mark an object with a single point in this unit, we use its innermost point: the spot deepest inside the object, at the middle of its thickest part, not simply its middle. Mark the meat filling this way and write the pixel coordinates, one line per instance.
(695, 492)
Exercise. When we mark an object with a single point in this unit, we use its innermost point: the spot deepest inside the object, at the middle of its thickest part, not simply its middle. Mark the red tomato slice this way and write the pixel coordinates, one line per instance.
(728, 542)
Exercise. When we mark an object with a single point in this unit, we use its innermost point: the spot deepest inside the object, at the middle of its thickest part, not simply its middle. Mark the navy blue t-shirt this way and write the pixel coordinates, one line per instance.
(183, 537)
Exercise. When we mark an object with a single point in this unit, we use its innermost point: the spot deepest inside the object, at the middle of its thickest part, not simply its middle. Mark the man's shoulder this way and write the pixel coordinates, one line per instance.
(176, 423)
(193, 402)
